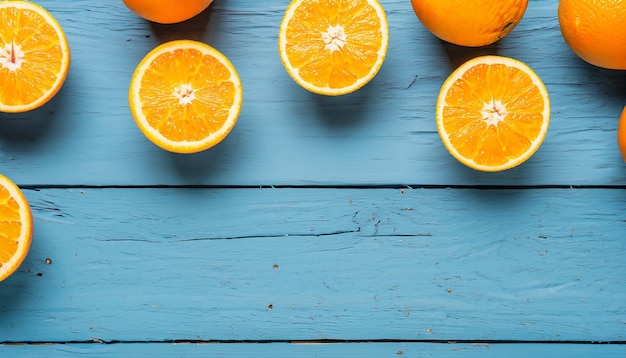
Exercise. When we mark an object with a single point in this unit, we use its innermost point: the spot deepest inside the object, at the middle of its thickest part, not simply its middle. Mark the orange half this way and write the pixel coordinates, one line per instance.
(185, 96)
(333, 47)
(621, 134)
(16, 227)
(493, 113)
(34, 56)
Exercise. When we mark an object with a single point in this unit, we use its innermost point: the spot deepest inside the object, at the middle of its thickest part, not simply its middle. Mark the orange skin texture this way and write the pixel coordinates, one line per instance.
(595, 30)
(167, 11)
(621, 134)
(470, 23)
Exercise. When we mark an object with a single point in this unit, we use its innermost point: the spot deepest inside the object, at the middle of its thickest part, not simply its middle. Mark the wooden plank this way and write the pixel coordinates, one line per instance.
(275, 350)
(383, 134)
(305, 264)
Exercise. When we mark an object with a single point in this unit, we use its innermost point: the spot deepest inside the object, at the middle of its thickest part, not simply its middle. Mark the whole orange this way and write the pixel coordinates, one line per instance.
(167, 11)
(595, 30)
(470, 23)
(621, 134)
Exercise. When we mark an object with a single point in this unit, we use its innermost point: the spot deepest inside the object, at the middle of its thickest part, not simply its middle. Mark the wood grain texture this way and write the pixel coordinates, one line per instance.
(308, 264)
(139, 248)
(383, 134)
(278, 350)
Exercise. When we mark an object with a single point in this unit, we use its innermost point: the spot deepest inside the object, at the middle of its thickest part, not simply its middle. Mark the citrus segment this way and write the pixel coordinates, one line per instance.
(34, 56)
(492, 113)
(16, 227)
(333, 47)
(185, 96)
(470, 23)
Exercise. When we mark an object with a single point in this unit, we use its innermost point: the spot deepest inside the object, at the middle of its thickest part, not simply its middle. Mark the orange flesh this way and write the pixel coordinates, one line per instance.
(349, 29)
(10, 226)
(475, 96)
(186, 84)
(621, 134)
(42, 53)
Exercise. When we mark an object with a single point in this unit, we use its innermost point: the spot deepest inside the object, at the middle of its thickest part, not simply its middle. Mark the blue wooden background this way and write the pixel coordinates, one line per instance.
(321, 226)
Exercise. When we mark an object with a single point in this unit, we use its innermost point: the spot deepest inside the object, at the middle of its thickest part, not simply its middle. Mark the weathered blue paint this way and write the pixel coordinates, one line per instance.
(137, 259)
(446, 264)
(304, 350)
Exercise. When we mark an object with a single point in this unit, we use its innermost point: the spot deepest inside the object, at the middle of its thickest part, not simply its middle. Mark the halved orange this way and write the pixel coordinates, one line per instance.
(185, 96)
(16, 227)
(333, 47)
(34, 56)
(493, 113)
(621, 134)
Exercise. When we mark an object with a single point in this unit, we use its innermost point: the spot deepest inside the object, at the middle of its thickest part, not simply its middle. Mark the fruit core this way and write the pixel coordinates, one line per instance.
(11, 56)
(184, 93)
(493, 112)
(334, 38)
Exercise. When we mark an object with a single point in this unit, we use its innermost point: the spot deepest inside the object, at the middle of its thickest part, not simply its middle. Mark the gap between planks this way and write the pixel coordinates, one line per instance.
(316, 341)
(313, 186)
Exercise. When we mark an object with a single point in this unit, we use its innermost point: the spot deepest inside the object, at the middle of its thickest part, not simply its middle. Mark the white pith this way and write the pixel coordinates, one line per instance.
(493, 112)
(11, 56)
(334, 38)
(185, 94)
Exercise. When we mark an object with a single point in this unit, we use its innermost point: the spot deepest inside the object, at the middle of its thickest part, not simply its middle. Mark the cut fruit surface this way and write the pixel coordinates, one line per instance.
(185, 96)
(493, 113)
(621, 134)
(16, 227)
(34, 56)
(333, 47)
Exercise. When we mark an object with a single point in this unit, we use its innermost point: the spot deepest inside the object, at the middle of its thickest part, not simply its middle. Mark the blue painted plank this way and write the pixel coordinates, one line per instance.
(308, 264)
(276, 350)
(382, 134)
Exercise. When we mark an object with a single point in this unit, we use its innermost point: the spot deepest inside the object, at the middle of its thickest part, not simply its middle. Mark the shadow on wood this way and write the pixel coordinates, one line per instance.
(192, 29)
